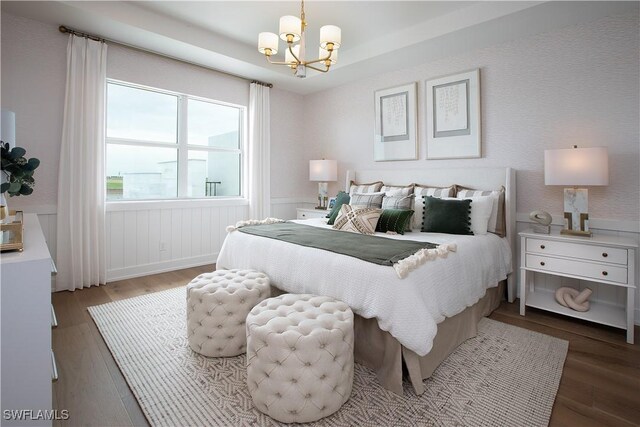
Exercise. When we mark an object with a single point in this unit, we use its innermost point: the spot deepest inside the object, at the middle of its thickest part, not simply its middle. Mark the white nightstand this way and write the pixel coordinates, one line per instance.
(609, 260)
(304, 213)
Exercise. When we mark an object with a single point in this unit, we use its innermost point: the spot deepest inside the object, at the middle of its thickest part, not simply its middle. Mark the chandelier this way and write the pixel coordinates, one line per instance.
(292, 31)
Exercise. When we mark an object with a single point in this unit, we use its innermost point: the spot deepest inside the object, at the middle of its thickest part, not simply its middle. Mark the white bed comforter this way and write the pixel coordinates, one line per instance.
(410, 308)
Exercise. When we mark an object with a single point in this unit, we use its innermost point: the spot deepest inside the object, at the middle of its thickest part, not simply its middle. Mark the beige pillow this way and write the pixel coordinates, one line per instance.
(497, 220)
(354, 220)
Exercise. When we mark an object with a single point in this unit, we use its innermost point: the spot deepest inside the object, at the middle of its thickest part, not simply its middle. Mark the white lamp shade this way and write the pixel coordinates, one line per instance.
(330, 34)
(323, 170)
(576, 166)
(268, 41)
(8, 127)
(288, 57)
(290, 25)
(322, 53)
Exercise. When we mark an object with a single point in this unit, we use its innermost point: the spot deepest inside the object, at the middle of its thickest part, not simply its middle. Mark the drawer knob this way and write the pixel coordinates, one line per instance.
(542, 246)
(604, 273)
(604, 254)
(541, 262)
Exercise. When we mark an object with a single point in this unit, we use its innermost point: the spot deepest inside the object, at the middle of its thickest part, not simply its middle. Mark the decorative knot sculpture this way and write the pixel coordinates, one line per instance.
(573, 298)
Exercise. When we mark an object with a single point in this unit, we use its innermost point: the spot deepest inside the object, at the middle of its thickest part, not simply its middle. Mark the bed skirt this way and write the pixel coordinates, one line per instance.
(380, 351)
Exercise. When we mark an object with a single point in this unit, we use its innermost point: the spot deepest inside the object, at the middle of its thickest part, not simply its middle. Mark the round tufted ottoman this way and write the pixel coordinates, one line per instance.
(217, 308)
(300, 356)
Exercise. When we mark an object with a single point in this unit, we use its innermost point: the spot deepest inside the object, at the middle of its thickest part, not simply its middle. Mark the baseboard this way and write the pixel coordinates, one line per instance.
(159, 267)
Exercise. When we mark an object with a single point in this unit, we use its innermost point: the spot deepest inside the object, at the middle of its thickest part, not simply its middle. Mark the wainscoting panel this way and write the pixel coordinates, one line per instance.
(149, 241)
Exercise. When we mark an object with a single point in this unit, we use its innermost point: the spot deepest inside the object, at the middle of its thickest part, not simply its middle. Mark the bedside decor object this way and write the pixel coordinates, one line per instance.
(576, 167)
(332, 203)
(453, 116)
(11, 232)
(543, 221)
(292, 30)
(323, 171)
(395, 135)
(573, 298)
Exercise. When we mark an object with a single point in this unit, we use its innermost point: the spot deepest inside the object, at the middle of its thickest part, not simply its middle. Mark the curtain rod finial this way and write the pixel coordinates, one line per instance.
(62, 29)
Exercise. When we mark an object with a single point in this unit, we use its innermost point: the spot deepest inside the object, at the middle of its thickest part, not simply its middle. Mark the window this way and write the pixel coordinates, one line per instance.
(163, 145)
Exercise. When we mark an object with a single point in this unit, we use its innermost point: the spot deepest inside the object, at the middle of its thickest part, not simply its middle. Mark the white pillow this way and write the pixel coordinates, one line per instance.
(481, 208)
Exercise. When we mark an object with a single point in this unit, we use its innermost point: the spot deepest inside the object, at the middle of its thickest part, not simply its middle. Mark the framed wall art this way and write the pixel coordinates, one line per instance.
(453, 116)
(395, 136)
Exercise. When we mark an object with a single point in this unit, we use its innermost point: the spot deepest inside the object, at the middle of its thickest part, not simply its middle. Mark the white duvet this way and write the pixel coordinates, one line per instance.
(410, 308)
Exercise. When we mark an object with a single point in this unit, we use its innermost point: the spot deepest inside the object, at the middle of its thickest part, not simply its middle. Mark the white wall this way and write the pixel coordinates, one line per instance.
(145, 237)
(578, 85)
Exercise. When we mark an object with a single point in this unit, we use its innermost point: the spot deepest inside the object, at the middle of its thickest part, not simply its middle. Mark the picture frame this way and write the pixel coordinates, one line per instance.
(332, 203)
(396, 118)
(453, 116)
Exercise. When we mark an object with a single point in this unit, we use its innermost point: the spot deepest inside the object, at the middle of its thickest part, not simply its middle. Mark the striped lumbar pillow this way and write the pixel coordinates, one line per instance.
(373, 187)
(394, 221)
(355, 220)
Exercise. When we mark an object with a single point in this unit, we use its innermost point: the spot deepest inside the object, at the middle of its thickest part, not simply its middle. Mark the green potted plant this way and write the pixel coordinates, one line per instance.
(17, 174)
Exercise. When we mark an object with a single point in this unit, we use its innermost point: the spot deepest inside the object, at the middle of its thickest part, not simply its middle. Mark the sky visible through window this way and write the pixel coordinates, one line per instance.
(145, 115)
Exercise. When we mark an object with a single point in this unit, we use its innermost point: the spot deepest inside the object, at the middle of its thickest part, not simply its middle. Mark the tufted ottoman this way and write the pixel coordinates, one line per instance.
(217, 307)
(300, 356)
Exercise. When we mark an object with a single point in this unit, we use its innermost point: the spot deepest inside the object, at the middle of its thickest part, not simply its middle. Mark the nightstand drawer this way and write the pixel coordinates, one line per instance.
(587, 270)
(311, 213)
(578, 250)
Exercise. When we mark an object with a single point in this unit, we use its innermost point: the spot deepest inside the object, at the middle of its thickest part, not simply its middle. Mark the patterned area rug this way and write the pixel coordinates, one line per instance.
(504, 376)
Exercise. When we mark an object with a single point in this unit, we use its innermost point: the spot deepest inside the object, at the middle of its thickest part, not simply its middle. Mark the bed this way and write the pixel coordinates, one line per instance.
(412, 323)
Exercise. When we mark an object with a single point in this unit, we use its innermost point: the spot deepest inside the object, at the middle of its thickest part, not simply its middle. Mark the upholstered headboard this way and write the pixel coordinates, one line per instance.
(477, 178)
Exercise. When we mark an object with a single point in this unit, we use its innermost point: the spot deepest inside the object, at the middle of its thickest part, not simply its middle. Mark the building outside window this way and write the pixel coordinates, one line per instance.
(166, 145)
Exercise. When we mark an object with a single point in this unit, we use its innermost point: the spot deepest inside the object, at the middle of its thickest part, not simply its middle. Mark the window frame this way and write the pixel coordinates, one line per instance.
(182, 148)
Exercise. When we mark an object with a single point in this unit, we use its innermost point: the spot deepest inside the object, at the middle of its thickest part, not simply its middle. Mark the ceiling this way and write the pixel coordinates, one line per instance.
(377, 36)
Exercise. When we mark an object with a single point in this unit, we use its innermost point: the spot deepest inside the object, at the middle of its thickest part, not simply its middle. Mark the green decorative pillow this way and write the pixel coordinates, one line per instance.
(394, 220)
(341, 199)
(446, 216)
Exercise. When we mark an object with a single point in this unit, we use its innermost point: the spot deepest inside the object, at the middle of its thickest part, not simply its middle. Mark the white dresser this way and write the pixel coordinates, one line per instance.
(607, 260)
(27, 362)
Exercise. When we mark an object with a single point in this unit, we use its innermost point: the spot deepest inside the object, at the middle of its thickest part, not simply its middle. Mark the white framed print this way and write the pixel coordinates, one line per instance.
(453, 116)
(395, 135)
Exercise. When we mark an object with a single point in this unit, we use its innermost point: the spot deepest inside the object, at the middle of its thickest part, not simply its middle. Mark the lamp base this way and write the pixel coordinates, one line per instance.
(576, 233)
(576, 215)
(322, 195)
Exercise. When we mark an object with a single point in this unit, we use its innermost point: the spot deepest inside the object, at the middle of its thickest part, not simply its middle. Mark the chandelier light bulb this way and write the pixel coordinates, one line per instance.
(290, 25)
(268, 43)
(330, 34)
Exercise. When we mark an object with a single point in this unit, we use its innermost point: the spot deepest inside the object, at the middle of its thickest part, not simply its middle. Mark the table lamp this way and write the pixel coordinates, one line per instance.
(576, 167)
(323, 171)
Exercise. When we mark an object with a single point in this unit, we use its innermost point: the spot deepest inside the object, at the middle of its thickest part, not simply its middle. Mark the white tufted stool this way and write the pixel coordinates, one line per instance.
(300, 356)
(217, 308)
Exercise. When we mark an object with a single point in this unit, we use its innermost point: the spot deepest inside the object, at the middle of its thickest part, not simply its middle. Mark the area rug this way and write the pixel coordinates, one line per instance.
(505, 376)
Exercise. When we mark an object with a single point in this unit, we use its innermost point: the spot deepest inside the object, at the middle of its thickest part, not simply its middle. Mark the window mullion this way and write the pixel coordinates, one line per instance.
(183, 151)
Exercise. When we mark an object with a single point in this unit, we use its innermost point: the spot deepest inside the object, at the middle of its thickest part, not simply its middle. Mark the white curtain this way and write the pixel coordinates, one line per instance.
(259, 152)
(81, 256)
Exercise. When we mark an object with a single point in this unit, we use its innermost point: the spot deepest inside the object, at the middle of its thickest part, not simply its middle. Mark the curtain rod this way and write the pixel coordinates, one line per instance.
(65, 29)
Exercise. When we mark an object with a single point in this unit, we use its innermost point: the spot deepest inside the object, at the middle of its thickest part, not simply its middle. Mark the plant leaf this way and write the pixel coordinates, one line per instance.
(18, 152)
(14, 187)
(4, 187)
(33, 163)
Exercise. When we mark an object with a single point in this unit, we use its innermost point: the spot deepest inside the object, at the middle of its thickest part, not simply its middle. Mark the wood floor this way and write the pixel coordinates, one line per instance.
(600, 384)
